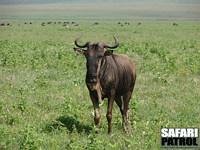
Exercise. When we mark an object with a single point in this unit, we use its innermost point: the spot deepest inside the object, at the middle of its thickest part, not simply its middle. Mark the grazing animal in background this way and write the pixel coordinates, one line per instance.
(109, 76)
(66, 22)
(43, 24)
(127, 23)
(96, 23)
(76, 24)
(139, 23)
(2, 24)
(175, 24)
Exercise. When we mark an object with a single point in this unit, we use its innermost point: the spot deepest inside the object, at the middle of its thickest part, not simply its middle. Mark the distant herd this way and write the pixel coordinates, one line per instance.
(73, 23)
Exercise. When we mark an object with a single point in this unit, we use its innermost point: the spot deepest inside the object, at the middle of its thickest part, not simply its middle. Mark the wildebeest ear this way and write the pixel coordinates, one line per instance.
(108, 52)
(79, 51)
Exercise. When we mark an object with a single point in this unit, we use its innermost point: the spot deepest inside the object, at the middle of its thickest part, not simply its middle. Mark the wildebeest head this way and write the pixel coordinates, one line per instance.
(94, 52)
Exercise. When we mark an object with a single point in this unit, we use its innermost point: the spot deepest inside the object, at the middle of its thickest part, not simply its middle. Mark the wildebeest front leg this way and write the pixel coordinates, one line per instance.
(96, 111)
(109, 112)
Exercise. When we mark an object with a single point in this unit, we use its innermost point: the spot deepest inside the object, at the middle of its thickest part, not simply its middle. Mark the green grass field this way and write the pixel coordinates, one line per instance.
(44, 102)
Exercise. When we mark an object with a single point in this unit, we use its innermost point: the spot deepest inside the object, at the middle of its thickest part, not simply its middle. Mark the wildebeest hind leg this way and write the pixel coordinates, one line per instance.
(109, 111)
(118, 101)
(126, 99)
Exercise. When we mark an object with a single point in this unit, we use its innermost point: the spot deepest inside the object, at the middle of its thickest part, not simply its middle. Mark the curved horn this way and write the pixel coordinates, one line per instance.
(115, 45)
(78, 45)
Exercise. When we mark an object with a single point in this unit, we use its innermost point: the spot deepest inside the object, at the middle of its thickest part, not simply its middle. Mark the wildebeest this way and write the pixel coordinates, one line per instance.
(2, 24)
(175, 24)
(127, 23)
(96, 23)
(139, 23)
(43, 24)
(109, 76)
(76, 24)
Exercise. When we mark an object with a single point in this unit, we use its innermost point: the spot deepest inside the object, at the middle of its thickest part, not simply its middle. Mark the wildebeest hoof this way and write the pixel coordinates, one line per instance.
(127, 130)
(96, 128)
(101, 103)
(110, 134)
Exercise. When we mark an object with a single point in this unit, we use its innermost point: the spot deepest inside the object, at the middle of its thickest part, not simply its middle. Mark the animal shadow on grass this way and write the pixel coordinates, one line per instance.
(70, 123)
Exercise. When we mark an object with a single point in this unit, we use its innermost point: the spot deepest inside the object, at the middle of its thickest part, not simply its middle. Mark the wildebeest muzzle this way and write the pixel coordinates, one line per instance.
(92, 79)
